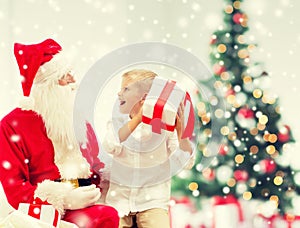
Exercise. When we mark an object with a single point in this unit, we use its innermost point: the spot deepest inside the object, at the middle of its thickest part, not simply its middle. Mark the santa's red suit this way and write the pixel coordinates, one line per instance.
(30, 167)
(27, 158)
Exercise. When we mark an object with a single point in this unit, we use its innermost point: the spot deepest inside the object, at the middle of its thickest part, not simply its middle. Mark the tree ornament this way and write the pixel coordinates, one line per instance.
(267, 166)
(237, 18)
(218, 69)
(213, 39)
(223, 150)
(209, 174)
(240, 175)
(245, 118)
(284, 134)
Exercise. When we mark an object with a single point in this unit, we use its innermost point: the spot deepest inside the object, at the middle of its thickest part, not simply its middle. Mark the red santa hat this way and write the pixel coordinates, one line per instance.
(31, 57)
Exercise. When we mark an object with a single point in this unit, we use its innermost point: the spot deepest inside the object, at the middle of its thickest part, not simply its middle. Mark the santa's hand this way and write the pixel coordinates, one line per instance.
(82, 197)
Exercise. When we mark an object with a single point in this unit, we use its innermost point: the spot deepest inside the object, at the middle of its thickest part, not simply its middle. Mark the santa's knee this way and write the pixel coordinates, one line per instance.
(107, 217)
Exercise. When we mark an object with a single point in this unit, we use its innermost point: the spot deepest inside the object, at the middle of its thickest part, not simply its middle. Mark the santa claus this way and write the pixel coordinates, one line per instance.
(40, 156)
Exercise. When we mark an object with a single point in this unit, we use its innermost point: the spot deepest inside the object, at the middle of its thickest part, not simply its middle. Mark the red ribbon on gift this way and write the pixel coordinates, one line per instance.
(188, 131)
(156, 122)
(290, 219)
(34, 210)
(229, 199)
(270, 220)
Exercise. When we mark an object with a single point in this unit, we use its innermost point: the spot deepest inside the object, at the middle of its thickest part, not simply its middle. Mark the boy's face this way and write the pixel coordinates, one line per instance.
(129, 95)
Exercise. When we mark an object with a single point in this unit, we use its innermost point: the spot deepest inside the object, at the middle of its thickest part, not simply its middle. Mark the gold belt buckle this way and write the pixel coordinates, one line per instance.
(73, 182)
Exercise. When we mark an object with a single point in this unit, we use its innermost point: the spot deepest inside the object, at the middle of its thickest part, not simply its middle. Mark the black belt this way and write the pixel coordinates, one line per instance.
(79, 182)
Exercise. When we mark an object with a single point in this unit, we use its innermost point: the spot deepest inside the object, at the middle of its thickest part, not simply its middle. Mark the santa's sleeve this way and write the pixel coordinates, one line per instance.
(15, 173)
(14, 169)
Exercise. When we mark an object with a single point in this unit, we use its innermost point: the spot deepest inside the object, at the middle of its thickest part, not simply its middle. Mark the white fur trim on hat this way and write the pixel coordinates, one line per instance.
(55, 69)
(26, 103)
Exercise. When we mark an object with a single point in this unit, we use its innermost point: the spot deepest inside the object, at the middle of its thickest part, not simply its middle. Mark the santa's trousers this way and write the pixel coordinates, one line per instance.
(93, 217)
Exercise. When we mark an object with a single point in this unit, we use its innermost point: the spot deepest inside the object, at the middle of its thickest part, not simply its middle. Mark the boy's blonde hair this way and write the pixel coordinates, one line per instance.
(142, 78)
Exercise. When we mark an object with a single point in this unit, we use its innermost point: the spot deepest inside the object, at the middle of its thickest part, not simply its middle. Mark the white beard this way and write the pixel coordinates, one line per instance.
(55, 104)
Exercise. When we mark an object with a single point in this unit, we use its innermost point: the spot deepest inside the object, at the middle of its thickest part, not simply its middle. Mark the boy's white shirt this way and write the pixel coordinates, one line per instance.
(128, 166)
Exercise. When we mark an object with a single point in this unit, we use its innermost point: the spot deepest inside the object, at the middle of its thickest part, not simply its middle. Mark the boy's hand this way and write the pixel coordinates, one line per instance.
(180, 121)
(184, 144)
(137, 110)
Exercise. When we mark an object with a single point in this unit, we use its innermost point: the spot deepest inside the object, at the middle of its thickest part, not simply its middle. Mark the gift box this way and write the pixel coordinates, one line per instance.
(43, 212)
(17, 219)
(287, 221)
(249, 208)
(260, 221)
(161, 105)
(227, 212)
(180, 211)
(267, 213)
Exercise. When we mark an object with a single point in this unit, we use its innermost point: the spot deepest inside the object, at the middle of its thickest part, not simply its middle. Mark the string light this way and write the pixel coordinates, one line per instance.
(232, 136)
(231, 182)
(231, 99)
(254, 131)
(251, 47)
(221, 48)
(252, 182)
(205, 119)
(272, 138)
(261, 127)
(254, 149)
(247, 79)
(228, 9)
(193, 186)
(243, 53)
(225, 76)
(224, 130)
(237, 4)
(239, 158)
(247, 195)
(257, 93)
(241, 39)
(278, 180)
(271, 149)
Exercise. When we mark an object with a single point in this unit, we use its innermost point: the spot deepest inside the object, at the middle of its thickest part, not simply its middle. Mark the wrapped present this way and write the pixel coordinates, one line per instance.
(43, 212)
(17, 219)
(180, 211)
(262, 221)
(287, 221)
(267, 212)
(249, 208)
(227, 212)
(161, 105)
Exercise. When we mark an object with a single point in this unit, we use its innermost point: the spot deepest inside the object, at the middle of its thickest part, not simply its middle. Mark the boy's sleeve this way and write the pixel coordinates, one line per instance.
(111, 142)
(179, 159)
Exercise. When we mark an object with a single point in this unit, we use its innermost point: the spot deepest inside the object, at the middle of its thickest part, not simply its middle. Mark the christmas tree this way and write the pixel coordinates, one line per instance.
(249, 162)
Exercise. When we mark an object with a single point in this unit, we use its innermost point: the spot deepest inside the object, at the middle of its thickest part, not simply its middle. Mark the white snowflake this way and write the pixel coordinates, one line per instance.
(15, 138)
(6, 165)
